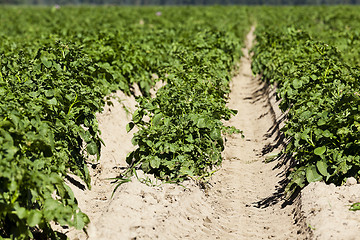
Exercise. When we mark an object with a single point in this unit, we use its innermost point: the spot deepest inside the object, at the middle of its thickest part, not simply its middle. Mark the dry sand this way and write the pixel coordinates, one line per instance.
(244, 198)
(327, 210)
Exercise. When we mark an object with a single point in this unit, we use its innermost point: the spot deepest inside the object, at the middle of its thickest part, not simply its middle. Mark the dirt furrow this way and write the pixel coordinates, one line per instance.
(247, 185)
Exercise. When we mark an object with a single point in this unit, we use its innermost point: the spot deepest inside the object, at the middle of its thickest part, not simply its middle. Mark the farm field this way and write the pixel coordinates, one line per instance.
(179, 122)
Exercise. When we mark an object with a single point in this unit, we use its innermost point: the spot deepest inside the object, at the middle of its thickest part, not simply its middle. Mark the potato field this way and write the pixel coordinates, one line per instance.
(181, 122)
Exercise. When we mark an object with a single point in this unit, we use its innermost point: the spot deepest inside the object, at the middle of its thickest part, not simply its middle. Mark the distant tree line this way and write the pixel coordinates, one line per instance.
(183, 2)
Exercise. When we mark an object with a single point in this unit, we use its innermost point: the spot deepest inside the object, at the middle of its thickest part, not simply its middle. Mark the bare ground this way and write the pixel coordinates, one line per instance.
(244, 200)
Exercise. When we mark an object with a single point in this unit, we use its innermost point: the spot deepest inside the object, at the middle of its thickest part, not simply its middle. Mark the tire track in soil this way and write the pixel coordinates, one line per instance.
(245, 186)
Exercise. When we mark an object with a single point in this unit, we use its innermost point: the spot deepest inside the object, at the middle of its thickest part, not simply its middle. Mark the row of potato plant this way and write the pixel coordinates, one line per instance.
(338, 26)
(47, 102)
(320, 94)
(56, 67)
(182, 135)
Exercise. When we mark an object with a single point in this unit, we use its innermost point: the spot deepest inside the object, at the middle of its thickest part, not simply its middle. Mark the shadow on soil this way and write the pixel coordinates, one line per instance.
(284, 160)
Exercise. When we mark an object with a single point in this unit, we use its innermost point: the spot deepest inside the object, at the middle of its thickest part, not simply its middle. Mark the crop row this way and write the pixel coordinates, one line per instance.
(337, 26)
(320, 94)
(182, 134)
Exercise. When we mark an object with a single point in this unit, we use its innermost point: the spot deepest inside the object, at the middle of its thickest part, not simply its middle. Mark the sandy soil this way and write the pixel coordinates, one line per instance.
(244, 198)
(327, 210)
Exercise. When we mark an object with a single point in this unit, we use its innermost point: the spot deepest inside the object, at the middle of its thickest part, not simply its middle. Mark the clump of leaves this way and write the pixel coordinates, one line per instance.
(180, 130)
(320, 94)
(44, 113)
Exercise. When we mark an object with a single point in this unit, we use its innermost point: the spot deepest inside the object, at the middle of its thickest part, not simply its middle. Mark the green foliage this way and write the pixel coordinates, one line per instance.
(180, 130)
(319, 93)
(48, 99)
(56, 67)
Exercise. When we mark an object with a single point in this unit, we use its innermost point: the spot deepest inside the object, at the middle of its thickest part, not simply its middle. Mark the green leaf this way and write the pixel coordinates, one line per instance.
(137, 116)
(135, 140)
(11, 151)
(297, 83)
(51, 204)
(155, 162)
(312, 175)
(299, 179)
(215, 134)
(355, 206)
(145, 166)
(50, 207)
(129, 126)
(92, 148)
(80, 220)
(52, 101)
(129, 158)
(190, 138)
(201, 123)
(85, 135)
(322, 168)
(306, 115)
(46, 62)
(321, 122)
(34, 218)
(320, 150)
(21, 212)
(156, 119)
(327, 133)
(49, 93)
(313, 77)
(167, 122)
(16, 120)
